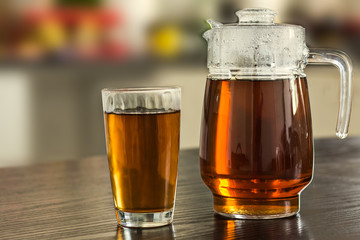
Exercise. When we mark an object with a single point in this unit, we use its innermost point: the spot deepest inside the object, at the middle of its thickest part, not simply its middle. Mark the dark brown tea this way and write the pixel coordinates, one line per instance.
(143, 160)
(256, 150)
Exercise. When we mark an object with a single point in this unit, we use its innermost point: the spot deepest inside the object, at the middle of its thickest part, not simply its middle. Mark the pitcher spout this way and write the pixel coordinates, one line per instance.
(213, 24)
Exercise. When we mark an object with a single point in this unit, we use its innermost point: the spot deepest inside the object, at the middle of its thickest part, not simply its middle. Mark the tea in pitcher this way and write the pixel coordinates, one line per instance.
(256, 143)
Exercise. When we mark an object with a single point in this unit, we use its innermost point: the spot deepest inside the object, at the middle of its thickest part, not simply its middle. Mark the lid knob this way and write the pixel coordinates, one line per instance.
(261, 16)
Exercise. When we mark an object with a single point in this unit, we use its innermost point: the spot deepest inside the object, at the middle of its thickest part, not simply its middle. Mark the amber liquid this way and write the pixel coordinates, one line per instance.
(256, 150)
(143, 160)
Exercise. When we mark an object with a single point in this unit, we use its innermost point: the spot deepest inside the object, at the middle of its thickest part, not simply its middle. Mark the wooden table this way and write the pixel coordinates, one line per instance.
(72, 200)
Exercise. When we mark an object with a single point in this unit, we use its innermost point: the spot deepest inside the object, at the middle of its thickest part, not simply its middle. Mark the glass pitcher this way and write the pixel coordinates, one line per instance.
(256, 146)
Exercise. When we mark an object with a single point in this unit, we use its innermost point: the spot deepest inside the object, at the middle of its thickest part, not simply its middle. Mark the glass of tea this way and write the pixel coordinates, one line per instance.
(142, 128)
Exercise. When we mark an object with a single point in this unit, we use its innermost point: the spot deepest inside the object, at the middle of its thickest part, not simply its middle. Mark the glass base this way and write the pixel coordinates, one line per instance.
(144, 220)
(241, 208)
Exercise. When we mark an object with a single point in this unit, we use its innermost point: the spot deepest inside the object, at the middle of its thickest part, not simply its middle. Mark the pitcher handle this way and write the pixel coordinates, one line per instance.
(342, 61)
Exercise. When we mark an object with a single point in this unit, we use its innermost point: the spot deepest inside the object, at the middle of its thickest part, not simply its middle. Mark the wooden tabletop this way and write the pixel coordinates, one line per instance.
(72, 200)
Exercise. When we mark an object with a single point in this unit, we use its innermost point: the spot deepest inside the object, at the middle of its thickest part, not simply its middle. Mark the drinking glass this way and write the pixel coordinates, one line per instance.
(142, 128)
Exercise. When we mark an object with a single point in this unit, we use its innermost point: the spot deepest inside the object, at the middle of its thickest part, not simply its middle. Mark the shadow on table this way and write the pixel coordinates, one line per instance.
(287, 228)
(166, 232)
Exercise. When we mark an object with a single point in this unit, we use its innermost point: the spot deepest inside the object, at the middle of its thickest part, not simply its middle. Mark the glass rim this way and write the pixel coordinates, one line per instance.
(141, 89)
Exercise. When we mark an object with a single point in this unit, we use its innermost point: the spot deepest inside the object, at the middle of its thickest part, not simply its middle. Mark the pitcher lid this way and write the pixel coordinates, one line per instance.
(256, 42)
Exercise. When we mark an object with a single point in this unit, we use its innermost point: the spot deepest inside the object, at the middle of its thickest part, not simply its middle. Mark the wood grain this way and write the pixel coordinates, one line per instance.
(72, 200)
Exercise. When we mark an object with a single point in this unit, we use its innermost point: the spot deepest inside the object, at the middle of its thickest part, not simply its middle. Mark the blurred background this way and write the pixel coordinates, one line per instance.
(56, 56)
